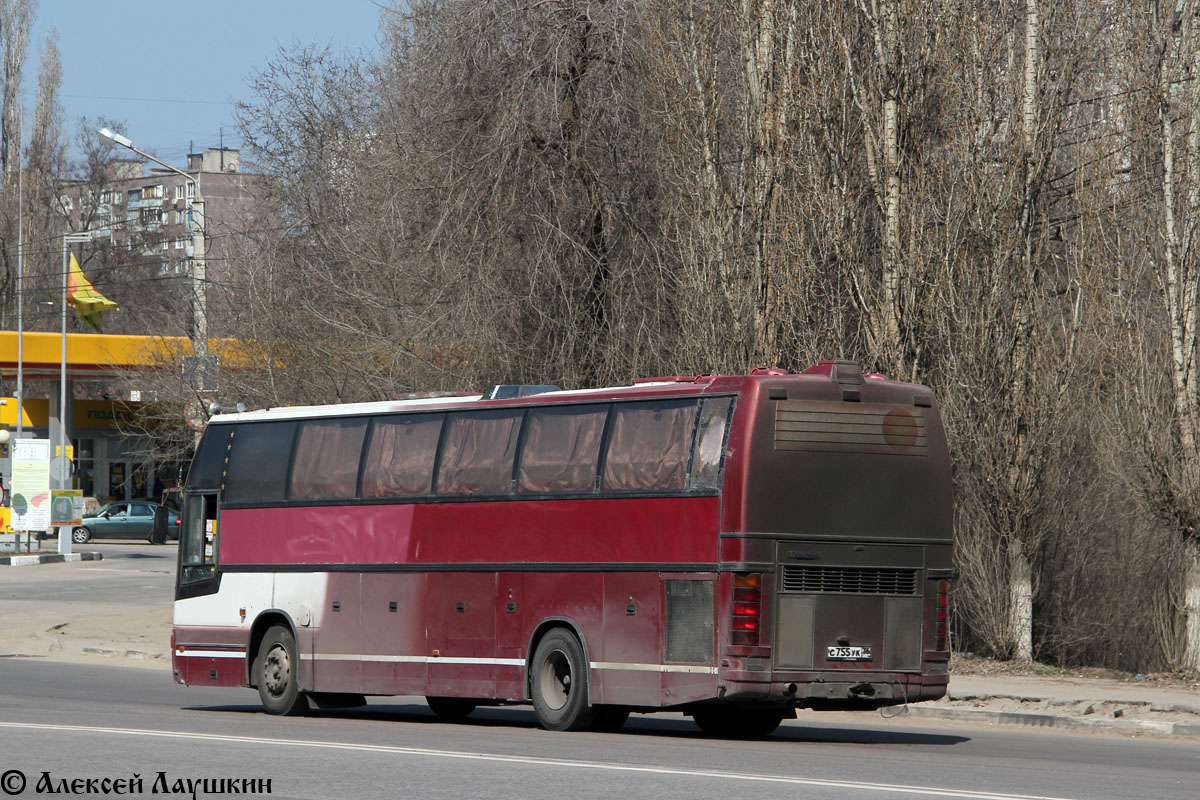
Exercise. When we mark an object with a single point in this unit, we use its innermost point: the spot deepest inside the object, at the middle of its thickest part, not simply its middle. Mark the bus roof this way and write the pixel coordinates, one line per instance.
(823, 372)
(455, 402)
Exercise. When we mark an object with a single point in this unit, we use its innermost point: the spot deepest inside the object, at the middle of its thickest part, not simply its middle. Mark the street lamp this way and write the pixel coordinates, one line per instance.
(199, 289)
(58, 454)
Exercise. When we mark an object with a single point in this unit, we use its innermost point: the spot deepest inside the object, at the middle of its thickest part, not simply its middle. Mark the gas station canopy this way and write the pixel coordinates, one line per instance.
(93, 356)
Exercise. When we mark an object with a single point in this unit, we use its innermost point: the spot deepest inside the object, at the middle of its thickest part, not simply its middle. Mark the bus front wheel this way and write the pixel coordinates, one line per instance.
(559, 674)
(277, 673)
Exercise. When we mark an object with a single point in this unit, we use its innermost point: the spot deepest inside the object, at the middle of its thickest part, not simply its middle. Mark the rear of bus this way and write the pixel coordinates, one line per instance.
(836, 543)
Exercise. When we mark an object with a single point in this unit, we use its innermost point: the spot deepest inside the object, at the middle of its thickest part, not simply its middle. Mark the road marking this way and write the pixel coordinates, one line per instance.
(892, 788)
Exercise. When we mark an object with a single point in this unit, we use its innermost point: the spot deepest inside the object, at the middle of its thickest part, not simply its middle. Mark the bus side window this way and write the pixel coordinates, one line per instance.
(710, 443)
(400, 455)
(561, 449)
(649, 446)
(327, 456)
(258, 462)
(478, 451)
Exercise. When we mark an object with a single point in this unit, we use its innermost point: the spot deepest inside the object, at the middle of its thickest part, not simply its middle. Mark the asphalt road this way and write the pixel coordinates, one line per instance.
(81, 721)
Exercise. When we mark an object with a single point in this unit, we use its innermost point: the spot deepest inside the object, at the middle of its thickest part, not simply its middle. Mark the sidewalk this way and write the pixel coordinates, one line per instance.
(30, 559)
(1075, 703)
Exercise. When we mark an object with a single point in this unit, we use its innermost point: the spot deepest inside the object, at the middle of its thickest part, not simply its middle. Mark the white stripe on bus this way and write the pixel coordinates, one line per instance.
(503, 662)
(655, 667)
(210, 653)
(506, 662)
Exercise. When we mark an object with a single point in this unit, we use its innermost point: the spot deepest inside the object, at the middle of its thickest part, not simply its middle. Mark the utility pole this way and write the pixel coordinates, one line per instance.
(199, 272)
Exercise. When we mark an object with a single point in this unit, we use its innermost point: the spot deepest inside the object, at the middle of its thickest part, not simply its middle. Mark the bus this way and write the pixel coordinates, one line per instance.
(734, 547)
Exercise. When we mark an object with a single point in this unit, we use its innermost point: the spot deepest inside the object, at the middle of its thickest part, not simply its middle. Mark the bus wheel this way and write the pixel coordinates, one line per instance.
(451, 709)
(277, 673)
(560, 676)
(610, 719)
(731, 722)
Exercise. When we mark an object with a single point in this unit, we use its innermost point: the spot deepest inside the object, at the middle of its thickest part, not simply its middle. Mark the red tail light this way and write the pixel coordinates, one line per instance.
(747, 608)
(942, 626)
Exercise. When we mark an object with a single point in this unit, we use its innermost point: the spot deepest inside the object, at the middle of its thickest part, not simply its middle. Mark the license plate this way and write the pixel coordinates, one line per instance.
(849, 654)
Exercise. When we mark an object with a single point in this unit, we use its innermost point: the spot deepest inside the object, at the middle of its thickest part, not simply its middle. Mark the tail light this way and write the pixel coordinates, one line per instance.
(942, 626)
(747, 608)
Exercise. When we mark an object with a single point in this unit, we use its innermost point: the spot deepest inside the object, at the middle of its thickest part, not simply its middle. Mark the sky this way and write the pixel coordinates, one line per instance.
(172, 71)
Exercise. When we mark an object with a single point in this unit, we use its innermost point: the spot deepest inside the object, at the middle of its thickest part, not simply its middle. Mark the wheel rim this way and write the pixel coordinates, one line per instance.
(554, 681)
(79, 535)
(277, 671)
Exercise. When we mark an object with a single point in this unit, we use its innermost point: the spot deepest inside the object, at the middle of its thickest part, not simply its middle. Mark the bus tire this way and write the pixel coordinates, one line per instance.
(559, 683)
(277, 673)
(732, 722)
(451, 709)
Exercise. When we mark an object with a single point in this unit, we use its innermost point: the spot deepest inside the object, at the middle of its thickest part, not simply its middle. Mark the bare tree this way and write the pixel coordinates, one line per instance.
(16, 17)
(1162, 418)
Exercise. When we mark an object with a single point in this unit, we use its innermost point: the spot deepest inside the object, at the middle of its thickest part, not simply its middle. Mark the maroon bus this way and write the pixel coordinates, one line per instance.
(733, 547)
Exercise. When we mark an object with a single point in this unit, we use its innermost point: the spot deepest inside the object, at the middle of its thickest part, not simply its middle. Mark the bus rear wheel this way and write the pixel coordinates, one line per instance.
(732, 722)
(451, 709)
(277, 673)
(559, 674)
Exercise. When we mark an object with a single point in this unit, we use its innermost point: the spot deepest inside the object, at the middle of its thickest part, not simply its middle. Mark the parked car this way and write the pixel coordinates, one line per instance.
(126, 520)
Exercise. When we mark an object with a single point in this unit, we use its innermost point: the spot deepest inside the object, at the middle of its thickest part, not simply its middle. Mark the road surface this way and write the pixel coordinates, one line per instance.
(75, 722)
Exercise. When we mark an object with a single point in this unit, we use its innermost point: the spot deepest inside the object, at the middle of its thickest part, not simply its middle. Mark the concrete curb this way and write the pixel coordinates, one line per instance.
(1146, 705)
(1125, 726)
(47, 558)
(143, 654)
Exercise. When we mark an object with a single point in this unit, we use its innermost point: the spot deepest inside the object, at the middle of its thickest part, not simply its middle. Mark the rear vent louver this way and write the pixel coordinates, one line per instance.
(849, 580)
(826, 427)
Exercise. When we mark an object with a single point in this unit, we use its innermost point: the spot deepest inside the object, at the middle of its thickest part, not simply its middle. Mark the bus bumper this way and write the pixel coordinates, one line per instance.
(834, 692)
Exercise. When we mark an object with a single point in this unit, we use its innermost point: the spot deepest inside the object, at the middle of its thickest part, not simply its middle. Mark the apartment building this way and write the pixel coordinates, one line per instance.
(146, 215)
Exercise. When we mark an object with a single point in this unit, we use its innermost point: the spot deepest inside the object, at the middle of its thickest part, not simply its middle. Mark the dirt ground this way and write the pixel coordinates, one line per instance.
(141, 636)
(968, 664)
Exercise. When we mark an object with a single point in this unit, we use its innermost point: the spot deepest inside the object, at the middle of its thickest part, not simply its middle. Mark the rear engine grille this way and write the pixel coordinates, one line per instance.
(849, 580)
(845, 428)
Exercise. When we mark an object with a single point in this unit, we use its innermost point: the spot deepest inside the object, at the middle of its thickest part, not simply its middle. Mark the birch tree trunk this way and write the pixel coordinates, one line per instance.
(886, 32)
(767, 50)
(1020, 572)
(1191, 607)
(1020, 613)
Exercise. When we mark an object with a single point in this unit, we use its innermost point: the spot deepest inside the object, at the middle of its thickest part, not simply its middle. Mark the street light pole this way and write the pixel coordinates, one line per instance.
(58, 453)
(199, 281)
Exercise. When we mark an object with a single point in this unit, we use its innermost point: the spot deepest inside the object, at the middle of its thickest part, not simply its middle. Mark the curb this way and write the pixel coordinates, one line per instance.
(1146, 705)
(143, 654)
(47, 558)
(1126, 726)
